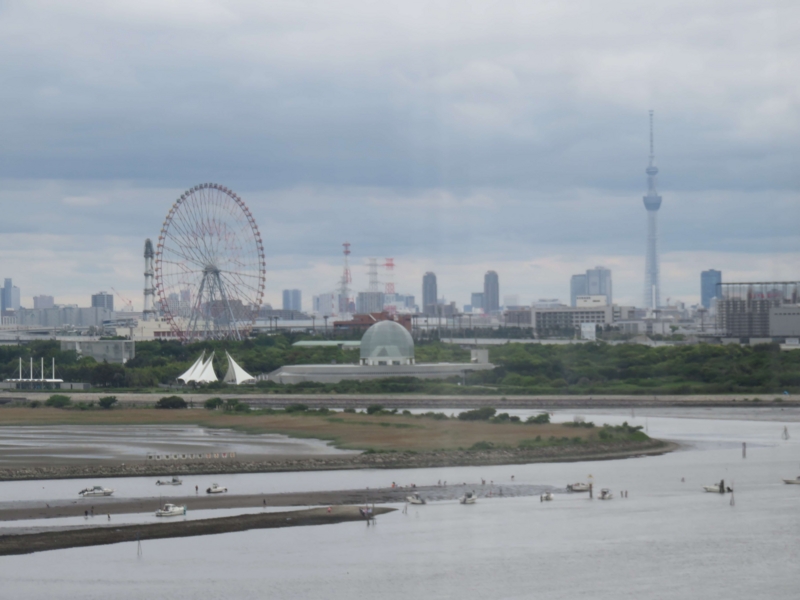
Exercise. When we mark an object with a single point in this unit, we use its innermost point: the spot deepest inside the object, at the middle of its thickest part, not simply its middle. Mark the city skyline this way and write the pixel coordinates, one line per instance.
(488, 159)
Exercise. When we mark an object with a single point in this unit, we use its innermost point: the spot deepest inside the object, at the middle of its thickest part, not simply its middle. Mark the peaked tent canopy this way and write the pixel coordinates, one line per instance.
(236, 374)
(193, 370)
(207, 374)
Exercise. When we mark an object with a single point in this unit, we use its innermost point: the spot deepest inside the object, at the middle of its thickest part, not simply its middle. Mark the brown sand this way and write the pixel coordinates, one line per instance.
(96, 536)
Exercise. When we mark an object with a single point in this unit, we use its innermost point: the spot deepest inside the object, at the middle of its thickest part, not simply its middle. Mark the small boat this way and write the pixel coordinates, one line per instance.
(578, 487)
(605, 494)
(171, 510)
(415, 498)
(546, 497)
(792, 481)
(216, 489)
(173, 481)
(97, 490)
(717, 488)
(468, 498)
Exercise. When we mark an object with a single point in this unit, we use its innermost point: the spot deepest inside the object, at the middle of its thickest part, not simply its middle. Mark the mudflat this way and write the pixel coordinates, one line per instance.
(96, 536)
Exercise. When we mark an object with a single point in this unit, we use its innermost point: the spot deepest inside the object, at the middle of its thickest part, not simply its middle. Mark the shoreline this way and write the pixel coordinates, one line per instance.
(97, 536)
(377, 460)
(400, 401)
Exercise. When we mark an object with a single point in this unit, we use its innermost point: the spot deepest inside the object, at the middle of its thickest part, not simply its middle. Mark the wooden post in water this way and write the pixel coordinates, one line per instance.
(744, 449)
(591, 496)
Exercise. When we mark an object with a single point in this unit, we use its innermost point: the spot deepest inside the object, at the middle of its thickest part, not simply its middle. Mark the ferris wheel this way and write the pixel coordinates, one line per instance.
(209, 265)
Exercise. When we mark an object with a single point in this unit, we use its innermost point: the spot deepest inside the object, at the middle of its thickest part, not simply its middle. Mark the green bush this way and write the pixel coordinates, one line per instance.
(349, 410)
(34, 404)
(107, 402)
(374, 408)
(293, 408)
(213, 403)
(540, 419)
(478, 414)
(58, 401)
(482, 446)
(172, 402)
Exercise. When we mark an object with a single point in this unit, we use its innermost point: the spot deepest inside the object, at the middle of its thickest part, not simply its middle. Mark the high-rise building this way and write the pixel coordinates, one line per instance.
(491, 292)
(652, 202)
(578, 286)
(369, 302)
(9, 296)
(477, 301)
(292, 300)
(429, 293)
(325, 304)
(103, 300)
(43, 302)
(598, 283)
(708, 286)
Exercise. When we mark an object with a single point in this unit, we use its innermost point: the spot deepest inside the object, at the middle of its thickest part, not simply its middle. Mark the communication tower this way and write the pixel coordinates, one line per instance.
(344, 283)
(149, 313)
(652, 202)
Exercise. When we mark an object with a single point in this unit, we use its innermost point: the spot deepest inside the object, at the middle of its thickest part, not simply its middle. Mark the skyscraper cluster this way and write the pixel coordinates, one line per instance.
(595, 282)
(9, 297)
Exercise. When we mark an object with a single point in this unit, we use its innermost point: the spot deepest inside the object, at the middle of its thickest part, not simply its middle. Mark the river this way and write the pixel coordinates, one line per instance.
(667, 539)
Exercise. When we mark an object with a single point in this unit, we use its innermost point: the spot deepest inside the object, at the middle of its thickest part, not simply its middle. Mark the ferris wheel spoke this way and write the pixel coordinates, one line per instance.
(188, 241)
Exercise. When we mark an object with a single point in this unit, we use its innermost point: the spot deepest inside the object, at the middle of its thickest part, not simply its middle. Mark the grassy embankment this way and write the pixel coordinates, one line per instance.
(379, 432)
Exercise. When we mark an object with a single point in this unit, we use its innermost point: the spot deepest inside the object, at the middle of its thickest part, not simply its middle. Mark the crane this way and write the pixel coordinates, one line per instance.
(128, 305)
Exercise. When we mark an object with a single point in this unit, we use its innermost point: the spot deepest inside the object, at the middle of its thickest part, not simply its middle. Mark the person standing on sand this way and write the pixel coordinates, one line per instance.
(196, 489)
(109, 516)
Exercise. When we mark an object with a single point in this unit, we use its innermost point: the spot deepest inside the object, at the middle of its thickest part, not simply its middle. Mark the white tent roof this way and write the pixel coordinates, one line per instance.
(236, 374)
(193, 370)
(207, 374)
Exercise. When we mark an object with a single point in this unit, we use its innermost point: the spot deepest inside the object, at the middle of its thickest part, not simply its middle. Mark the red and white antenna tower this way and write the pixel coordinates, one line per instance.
(344, 284)
(391, 306)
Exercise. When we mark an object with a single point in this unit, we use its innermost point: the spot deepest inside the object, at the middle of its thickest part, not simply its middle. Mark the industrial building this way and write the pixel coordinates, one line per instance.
(386, 350)
(113, 351)
(64, 316)
(103, 300)
(565, 318)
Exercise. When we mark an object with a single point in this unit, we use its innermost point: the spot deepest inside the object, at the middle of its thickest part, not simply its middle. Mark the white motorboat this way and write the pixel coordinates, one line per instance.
(173, 481)
(792, 481)
(605, 494)
(216, 489)
(546, 497)
(171, 510)
(578, 487)
(415, 498)
(97, 490)
(717, 488)
(468, 498)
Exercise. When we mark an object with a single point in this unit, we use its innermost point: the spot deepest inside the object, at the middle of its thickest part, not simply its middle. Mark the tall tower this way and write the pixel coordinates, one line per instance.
(430, 293)
(491, 292)
(343, 304)
(149, 313)
(652, 202)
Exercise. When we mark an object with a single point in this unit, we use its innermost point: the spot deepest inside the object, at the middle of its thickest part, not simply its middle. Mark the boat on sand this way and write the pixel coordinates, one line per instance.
(216, 489)
(578, 487)
(795, 481)
(605, 494)
(171, 510)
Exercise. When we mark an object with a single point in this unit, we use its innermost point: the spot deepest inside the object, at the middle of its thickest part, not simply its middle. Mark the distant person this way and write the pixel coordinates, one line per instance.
(196, 489)
(109, 516)
(86, 514)
(265, 503)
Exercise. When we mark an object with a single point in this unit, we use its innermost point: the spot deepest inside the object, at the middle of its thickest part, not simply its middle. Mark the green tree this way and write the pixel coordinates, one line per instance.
(213, 403)
(58, 401)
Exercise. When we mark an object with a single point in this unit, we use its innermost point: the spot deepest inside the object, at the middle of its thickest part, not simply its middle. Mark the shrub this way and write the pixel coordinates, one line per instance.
(374, 408)
(172, 402)
(213, 403)
(481, 446)
(58, 401)
(349, 410)
(478, 414)
(293, 408)
(34, 404)
(515, 419)
(501, 418)
(107, 402)
(540, 419)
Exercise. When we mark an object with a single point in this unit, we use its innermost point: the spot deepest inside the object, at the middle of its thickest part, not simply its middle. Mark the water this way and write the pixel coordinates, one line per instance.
(667, 540)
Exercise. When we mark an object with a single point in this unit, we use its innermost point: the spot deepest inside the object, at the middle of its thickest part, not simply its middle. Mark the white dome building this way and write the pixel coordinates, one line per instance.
(387, 343)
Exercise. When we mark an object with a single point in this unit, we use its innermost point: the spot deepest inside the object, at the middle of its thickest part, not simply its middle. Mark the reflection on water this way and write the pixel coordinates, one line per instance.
(668, 539)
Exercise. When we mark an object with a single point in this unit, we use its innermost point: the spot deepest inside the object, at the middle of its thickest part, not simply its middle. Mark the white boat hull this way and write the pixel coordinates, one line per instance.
(175, 511)
(792, 481)
(415, 501)
(578, 487)
(713, 489)
(96, 493)
(467, 499)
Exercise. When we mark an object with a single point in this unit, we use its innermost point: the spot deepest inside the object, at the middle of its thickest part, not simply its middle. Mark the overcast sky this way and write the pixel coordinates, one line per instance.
(453, 136)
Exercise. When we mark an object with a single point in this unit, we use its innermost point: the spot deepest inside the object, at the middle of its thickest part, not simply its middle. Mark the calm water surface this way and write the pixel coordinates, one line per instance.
(667, 540)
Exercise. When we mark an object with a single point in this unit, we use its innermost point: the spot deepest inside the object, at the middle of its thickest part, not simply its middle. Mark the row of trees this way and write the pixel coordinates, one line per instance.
(521, 368)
